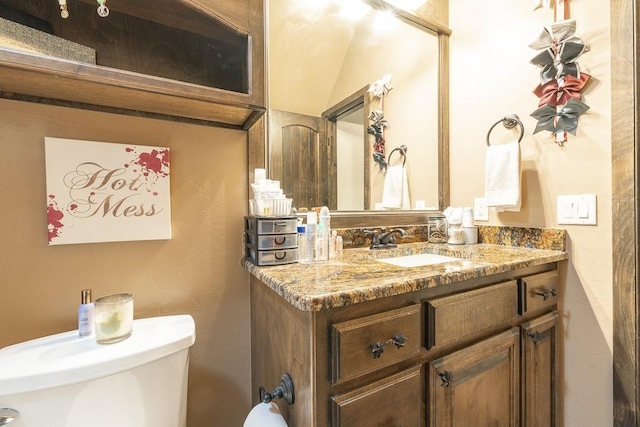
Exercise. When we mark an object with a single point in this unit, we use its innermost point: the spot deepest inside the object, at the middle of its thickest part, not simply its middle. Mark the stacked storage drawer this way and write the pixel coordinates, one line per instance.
(271, 240)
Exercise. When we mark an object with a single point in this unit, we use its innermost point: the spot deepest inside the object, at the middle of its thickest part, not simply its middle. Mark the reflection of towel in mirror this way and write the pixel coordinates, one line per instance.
(395, 194)
(502, 177)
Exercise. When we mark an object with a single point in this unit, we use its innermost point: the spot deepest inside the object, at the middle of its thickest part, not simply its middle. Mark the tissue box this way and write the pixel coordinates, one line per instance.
(270, 207)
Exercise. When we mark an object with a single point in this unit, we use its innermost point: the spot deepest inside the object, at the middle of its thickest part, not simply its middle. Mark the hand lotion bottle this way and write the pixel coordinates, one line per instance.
(85, 314)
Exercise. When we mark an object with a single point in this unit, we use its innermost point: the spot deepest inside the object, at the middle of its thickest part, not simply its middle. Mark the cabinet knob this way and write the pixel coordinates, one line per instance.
(377, 348)
(445, 377)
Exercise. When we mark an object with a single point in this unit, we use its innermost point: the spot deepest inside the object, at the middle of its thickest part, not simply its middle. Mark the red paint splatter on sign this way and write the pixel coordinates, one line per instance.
(156, 161)
(54, 219)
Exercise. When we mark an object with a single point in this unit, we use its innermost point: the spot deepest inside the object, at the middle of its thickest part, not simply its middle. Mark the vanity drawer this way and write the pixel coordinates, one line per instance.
(393, 401)
(537, 291)
(273, 257)
(369, 343)
(454, 317)
(285, 225)
(272, 241)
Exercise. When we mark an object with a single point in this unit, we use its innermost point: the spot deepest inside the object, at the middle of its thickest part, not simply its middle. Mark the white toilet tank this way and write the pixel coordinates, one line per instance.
(66, 381)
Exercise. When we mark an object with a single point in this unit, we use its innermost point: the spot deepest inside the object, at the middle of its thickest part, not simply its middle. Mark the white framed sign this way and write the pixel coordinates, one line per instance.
(106, 192)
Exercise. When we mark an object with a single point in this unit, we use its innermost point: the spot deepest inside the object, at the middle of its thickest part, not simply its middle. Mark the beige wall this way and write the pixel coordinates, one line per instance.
(490, 77)
(197, 272)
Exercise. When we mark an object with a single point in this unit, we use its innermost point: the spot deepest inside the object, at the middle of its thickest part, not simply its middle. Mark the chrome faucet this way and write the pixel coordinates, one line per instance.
(385, 240)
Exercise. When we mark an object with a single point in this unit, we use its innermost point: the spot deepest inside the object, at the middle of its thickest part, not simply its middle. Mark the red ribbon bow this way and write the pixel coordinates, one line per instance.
(551, 94)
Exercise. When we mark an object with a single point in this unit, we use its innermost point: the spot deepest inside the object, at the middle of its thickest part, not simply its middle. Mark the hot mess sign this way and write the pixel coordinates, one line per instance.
(104, 192)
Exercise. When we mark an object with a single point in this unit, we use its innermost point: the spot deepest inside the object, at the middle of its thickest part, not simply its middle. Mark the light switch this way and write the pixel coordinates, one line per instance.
(567, 207)
(583, 207)
(577, 209)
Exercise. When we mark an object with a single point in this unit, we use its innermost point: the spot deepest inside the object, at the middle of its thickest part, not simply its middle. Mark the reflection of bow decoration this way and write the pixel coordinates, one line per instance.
(379, 123)
(557, 93)
(377, 130)
(381, 87)
(559, 120)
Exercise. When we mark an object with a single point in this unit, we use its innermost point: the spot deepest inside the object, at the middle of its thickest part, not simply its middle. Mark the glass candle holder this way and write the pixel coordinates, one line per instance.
(113, 316)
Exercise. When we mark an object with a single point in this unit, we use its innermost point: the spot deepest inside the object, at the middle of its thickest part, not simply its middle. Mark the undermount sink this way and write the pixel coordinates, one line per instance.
(418, 260)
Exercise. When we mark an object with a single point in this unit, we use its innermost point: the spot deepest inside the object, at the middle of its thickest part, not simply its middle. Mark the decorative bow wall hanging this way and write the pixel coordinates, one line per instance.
(562, 119)
(379, 89)
(561, 79)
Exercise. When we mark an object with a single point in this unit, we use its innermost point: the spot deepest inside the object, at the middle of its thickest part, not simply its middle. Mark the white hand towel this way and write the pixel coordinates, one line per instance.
(502, 177)
(395, 194)
(265, 415)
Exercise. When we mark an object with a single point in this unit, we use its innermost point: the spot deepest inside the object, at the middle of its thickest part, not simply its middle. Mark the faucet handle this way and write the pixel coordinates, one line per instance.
(375, 237)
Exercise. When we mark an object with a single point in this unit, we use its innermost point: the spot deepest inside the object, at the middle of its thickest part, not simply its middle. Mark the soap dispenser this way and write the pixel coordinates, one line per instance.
(85, 314)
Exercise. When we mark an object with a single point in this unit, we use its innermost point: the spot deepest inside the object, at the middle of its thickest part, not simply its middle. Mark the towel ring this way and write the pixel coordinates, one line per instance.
(510, 121)
(403, 150)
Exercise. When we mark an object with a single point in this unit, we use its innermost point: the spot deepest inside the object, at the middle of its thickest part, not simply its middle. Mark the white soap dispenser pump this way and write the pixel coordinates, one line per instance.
(85, 314)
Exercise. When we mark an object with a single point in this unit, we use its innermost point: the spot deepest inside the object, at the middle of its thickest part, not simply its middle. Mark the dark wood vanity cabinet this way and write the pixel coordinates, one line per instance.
(470, 353)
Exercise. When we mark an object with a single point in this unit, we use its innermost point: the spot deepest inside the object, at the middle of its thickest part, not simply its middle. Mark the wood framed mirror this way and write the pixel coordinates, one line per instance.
(425, 19)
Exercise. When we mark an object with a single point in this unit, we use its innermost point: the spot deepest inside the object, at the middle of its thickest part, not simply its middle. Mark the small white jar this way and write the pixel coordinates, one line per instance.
(456, 234)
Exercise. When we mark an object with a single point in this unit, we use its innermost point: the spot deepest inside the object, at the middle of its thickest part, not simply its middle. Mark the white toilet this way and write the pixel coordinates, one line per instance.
(66, 381)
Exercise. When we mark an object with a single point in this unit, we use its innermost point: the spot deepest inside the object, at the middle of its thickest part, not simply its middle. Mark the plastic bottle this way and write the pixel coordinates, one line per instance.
(324, 234)
(302, 243)
(85, 314)
(312, 242)
(333, 241)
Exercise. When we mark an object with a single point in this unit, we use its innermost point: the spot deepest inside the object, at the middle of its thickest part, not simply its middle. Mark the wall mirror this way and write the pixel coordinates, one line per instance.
(323, 57)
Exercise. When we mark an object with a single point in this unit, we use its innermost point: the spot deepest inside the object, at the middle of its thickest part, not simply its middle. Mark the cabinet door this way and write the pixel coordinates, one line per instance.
(478, 385)
(540, 367)
(395, 401)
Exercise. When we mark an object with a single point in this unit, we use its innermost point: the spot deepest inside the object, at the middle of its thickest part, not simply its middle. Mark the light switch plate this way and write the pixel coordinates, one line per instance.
(577, 209)
(480, 209)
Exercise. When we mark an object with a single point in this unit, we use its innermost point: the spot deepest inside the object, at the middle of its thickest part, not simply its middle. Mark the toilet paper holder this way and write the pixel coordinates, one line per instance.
(283, 391)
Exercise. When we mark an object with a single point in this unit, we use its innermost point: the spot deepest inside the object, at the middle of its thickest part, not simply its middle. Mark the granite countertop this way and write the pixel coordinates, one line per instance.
(356, 276)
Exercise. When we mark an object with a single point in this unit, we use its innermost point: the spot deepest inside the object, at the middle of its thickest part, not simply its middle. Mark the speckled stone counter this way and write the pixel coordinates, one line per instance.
(357, 276)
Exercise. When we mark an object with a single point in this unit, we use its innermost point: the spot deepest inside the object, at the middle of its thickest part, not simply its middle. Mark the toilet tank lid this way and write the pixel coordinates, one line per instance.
(65, 358)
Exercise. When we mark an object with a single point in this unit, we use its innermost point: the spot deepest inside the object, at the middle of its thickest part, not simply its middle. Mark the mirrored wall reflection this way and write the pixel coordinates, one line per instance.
(351, 132)
(318, 58)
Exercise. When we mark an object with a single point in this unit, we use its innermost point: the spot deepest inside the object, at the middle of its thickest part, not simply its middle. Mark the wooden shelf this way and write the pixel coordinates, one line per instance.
(33, 77)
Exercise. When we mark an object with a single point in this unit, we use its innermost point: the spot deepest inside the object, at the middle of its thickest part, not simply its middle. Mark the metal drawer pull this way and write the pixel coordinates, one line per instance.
(7, 415)
(377, 348)
(445, 377)
(547, 292)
